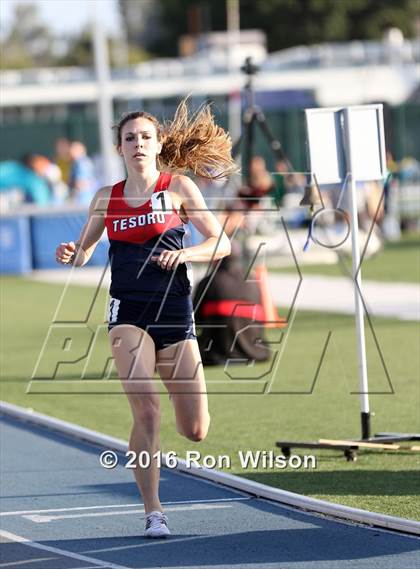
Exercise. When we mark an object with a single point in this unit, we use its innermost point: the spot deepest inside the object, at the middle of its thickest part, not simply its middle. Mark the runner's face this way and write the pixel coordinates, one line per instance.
(139, 143)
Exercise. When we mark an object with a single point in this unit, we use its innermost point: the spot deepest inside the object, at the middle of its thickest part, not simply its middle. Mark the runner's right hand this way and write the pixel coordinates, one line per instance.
(64, 252)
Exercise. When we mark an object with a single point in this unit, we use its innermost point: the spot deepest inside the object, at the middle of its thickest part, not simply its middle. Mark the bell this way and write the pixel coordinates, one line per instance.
(311, 196)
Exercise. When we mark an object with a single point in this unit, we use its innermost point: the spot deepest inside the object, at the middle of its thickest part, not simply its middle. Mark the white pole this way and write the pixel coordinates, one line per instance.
(105, 111)
(357, 278)
(234, 40)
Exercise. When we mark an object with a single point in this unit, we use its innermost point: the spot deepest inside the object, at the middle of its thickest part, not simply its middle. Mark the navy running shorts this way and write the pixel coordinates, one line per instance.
(167, 322)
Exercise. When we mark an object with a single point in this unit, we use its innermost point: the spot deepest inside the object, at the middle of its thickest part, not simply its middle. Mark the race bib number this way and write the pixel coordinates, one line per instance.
(114, 306)
(162, 202)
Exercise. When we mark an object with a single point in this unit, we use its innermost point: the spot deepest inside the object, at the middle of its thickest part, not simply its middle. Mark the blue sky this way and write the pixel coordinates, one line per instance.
(64, 16)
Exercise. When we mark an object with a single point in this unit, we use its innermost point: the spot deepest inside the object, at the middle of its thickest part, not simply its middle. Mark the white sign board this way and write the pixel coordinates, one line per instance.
(326, 155)
(344, 139)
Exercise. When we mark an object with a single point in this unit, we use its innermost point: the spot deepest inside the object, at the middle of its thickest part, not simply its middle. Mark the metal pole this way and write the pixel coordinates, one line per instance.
(357, 279)
(234, 39)
(105, 111)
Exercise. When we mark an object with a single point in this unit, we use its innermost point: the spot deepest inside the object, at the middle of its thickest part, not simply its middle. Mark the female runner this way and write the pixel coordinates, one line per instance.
(151, 321)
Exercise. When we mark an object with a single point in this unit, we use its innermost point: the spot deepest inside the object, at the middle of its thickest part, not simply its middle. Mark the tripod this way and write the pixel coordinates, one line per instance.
(254, 116)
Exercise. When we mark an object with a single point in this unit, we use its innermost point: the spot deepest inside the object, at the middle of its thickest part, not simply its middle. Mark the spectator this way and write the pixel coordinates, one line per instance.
(260, 183)
(25, 177)
(287, 182)
(62, 158)
(52, 174)
(247, 199)
(82, 179)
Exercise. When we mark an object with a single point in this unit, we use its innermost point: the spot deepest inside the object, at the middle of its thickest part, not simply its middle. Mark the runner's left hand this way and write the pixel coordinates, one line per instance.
(169, 260)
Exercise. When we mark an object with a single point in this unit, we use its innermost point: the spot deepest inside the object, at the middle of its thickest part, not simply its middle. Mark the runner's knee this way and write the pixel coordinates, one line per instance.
(196, 432)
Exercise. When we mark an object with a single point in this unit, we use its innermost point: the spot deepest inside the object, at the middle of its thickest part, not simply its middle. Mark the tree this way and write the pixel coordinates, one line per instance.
(142, 23)
(80, 52)
(29, 41)
(288, 22)
(299, 22)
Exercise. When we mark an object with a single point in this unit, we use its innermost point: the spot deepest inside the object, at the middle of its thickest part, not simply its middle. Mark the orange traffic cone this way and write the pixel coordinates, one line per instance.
(272, 319)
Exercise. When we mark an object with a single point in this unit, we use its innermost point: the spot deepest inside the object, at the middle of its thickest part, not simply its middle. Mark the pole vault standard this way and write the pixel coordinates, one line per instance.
(378, 171)
(354, 152)
(347, 145)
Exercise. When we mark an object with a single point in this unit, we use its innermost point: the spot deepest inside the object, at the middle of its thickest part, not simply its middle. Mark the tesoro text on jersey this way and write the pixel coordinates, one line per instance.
(138, 220)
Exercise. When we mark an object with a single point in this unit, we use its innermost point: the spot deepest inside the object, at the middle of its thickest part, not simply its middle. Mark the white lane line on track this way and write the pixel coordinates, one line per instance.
(38, 560)
(136, 505)
(45, 519)
(58, 551)
(150, 542)
(26, 561)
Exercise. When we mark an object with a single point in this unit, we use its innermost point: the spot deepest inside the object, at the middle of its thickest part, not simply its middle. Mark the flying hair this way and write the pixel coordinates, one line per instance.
(190, 142)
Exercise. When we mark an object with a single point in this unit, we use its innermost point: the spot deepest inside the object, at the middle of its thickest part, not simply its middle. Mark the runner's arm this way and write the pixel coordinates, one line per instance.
(79, 253)
(216, 244)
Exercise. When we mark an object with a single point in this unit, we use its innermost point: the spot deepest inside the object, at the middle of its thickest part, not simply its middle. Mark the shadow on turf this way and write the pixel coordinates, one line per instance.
(343, 483)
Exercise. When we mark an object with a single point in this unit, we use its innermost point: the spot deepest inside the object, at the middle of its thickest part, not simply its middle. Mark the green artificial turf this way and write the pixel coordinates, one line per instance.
(397, 262)
(299, 395)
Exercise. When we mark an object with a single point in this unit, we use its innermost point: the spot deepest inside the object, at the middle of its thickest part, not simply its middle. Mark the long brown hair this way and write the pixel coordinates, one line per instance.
(190, 142)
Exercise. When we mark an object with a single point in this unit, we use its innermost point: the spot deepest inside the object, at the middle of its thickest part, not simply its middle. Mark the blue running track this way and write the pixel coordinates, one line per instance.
(61, 509)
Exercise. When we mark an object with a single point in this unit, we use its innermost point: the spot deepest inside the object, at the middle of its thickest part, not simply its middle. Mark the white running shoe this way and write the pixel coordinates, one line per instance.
(156, 525)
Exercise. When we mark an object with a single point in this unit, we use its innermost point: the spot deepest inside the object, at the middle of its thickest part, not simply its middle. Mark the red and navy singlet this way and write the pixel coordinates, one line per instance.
(138, 233)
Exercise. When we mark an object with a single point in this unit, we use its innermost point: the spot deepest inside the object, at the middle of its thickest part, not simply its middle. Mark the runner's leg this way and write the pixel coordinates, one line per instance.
(181, 370)
(134, 353)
